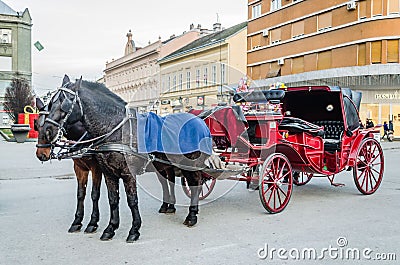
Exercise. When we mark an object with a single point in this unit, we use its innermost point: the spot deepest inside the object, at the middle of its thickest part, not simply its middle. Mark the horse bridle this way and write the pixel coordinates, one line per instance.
(60, 125)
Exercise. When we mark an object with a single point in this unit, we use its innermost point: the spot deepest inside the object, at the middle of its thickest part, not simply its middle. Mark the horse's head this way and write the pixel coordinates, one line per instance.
(62, 112)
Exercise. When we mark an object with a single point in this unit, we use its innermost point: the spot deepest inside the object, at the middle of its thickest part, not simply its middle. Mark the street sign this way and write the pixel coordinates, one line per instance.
(38, 46)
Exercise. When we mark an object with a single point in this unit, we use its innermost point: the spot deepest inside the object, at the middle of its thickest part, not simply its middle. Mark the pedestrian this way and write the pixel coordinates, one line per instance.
(390, 127)
(369, 123)
(385, 129)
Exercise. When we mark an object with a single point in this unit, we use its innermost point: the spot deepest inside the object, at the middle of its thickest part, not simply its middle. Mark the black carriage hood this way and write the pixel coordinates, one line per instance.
(352, 101)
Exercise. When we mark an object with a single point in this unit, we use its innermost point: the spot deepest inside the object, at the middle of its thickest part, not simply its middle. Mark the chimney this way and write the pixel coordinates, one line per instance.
(217, 27)
(191, 26)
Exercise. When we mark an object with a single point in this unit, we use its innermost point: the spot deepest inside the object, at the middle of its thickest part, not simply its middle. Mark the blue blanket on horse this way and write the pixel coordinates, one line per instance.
(180, 133)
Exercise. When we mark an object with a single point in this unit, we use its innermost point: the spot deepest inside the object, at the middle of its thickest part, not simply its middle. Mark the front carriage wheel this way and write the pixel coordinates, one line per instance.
(369, 165)
(206, 188)
(276, 183)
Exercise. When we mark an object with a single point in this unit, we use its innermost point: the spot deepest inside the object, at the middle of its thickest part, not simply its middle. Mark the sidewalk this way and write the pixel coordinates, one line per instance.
(18, 161)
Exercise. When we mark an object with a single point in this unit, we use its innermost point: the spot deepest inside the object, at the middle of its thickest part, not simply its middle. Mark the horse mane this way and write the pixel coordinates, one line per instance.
(102, 89)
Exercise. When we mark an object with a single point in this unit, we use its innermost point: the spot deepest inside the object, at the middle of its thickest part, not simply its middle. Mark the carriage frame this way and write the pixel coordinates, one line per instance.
(288, 136)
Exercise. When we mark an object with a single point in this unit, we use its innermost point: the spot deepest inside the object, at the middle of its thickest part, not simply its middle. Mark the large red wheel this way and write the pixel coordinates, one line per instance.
(301, 178)
(206, 188)
(369, 165)
(276, 183)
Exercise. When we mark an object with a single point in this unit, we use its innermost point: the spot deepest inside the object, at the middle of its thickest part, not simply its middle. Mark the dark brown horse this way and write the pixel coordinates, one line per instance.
(82, 167)
(113, 128)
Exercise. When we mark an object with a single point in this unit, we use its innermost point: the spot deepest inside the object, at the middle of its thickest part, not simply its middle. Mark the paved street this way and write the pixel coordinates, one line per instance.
(37, 203)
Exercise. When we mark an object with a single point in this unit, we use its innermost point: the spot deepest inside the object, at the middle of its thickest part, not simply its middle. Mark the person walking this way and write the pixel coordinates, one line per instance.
(390, 136)
(385, 129)
(390, 127)
(369, 124)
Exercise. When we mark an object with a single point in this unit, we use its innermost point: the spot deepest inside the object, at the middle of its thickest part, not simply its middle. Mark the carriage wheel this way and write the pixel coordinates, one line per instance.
(301, 178)
(206, 188)
(369, 165)
(276, 183)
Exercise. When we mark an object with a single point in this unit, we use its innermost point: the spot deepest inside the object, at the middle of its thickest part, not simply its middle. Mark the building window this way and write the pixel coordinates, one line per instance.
(394, 6)
(325, 21)
(256, 11)
(276, 4)
(223, 73)
(376, 52)
(5, 63)
(298, 65)
(275, 35)
(256, 41)
(197, 77)
(188, 80)
(362, 9)
(214, 74)
(361, 54)
(174, 83)
(393, 51)
(324, 60)
(298, 29)
(169, 83)
(205, 77)
(5, 35)
(377, 7)
(180, 81)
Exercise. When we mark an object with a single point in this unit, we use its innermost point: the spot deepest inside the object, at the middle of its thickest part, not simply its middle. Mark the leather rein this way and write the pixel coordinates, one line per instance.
(97, 144)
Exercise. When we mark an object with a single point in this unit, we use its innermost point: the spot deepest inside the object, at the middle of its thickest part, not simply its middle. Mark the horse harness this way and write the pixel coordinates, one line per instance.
(97, 144)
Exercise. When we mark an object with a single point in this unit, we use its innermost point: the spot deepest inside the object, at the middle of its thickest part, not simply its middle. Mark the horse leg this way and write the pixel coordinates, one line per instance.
(112, 183)
(96, 183)
(193, 179)
(132, 199)
(172, 199)
(82, 178)
(162, 178)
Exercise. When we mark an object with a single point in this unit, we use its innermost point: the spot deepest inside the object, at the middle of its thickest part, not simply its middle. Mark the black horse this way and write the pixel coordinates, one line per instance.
(82, 167)
(113, 128)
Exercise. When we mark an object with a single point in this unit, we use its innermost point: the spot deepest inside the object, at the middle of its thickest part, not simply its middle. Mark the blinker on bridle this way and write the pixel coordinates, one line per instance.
(67, 106)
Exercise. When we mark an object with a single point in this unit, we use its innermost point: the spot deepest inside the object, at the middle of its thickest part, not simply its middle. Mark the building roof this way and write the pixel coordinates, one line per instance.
(6, 10)
(208, 40)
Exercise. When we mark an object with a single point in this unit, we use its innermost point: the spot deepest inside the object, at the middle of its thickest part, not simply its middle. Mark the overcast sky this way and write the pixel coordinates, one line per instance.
(80, 36)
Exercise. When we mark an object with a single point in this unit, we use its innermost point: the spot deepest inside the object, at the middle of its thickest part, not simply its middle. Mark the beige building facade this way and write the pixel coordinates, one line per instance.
(200, 74)
(136, 75)
(333, 42)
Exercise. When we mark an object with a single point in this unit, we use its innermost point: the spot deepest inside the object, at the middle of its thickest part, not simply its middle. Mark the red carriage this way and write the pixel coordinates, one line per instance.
(285, 137)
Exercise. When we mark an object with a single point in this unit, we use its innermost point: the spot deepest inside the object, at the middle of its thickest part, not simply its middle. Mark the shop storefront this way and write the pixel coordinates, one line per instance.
(380, 106)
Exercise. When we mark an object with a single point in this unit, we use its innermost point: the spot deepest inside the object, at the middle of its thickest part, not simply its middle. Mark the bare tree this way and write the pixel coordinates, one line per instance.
(18, 95)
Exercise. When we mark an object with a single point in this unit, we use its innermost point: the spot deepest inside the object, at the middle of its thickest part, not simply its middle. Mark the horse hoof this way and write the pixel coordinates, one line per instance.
(132, 238)
(74, 228)
(163, 208)
(91, 229)
(107, 236)
(189, 222)
(170, 211)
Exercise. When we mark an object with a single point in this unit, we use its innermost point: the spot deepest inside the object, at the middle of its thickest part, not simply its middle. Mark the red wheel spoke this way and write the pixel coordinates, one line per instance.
(279, 196)
(269, 188)
(371, 176)
(363, 172)
(270, 197)
(283, 192)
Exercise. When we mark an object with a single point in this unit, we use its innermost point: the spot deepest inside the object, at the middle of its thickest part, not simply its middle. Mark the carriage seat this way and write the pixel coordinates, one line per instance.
(296, 125)
(333, 134)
